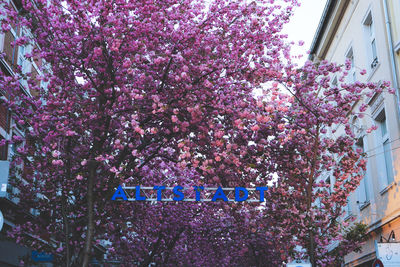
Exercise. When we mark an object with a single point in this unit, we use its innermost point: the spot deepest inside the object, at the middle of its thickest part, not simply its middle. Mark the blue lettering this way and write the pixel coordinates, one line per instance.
(198, 190)
(237, 194)
(119, 193)
(261, 189)
(179, 194)
(159, 191)
(219, 194)
(137, 194)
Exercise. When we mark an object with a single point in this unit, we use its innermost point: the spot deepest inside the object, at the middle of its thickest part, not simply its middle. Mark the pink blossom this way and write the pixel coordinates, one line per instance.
(207, 84)
(70, 133)
(255, 128)
(55, 153)
(98, 51)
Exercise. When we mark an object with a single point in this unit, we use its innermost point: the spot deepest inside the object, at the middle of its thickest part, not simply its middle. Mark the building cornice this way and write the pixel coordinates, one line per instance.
(330, 4)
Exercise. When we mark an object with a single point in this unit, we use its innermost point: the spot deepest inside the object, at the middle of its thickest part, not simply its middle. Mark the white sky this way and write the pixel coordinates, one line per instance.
(303, 26)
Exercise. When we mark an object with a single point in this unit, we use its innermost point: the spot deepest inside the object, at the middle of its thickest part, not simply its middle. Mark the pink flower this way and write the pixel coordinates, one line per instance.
(127, 63)
(184, 75)
(255, 128)
(174, 118)
(372, 128)
(269, 108)
(207, 84)
(139, 130)
(55, 153)
(115, 45)
(97, 51)
(79, 177)
(238, 122)
(219, 134)
(57, 162)
(70, 133)
(363, 72)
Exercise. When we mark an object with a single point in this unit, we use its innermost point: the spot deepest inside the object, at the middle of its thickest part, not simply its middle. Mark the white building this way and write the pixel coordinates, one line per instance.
(362, 30)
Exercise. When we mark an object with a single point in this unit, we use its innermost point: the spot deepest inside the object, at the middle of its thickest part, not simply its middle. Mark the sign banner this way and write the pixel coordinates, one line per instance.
(195, 193)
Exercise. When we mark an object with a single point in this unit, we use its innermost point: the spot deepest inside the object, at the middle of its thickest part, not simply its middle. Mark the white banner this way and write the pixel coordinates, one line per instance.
(1, 220)
(388, 253)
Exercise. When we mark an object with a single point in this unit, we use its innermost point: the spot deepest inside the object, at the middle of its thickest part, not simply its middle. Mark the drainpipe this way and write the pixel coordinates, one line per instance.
(392, 56)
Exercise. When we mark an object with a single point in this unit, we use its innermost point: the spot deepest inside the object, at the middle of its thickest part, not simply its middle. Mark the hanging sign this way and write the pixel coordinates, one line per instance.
(388, 253)
(41, 256)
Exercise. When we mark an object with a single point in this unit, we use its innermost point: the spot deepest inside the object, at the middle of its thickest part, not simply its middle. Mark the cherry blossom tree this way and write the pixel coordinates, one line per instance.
(314, 136)
(161, 93)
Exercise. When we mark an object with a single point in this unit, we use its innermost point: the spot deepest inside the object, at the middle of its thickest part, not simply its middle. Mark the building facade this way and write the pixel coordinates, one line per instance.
(367, 32)
(13, 56)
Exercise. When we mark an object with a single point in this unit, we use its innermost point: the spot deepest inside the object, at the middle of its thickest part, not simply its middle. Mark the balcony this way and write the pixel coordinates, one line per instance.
(374, 63)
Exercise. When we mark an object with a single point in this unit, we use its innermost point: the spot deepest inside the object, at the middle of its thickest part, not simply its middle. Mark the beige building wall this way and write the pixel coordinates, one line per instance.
(394, 20)
(351, 30)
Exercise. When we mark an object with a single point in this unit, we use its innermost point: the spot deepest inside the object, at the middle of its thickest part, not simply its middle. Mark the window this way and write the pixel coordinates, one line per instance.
(362, 190)
(2, 5)
(334, 82)
(1, 41)
(348, 208)
(22, 60)
(3, 150)
(352, 71)
(371, 40)
(384, 153)
(4, 117)
(328, 182)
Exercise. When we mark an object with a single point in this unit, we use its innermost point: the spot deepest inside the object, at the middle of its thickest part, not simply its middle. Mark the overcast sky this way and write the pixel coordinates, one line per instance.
(303, 25)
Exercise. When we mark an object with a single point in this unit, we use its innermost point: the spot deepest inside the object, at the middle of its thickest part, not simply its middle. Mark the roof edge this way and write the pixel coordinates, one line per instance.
(326, 14)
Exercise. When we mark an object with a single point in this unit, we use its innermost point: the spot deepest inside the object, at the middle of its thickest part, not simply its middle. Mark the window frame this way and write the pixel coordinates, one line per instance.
(386, 174)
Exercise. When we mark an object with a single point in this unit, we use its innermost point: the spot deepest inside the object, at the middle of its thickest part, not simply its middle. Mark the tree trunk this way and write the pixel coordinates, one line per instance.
(90, 222)
(171, 245)
(311, 251)
(154, 250)
(67, 231)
